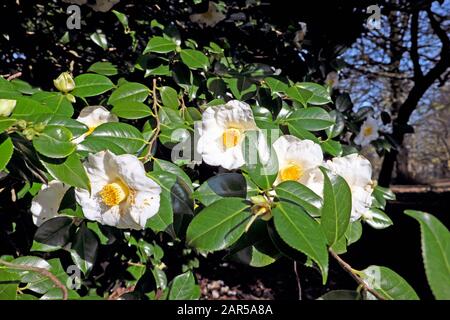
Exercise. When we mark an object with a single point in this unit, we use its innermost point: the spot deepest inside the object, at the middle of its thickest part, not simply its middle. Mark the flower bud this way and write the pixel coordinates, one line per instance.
(64, 82)
(39, 127)
(21, 124)
(6, 107)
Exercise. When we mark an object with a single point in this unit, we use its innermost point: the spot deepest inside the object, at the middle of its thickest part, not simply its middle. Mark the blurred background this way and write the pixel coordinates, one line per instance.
(390, 59)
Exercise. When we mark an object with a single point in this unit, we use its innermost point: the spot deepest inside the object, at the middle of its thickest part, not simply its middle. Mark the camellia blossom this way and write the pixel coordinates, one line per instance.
(92, 117)
(6, 107)
(121, 193)
(357, 172)
(299, 160)
(209, 18)
(46, 203)
(368, 133)
(64, 82)
(222, 133)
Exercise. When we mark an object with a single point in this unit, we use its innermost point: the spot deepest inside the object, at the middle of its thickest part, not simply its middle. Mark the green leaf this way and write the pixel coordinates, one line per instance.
(169, 97)
(341, 295)
(89, 85)
(31, 261)
(220, 186)
(276, 85)
(104, 68)
(84, 249)
(300, 95)
(70, 171)
(354, 232)
(388, 283)
(312, 119)
(160, 165)
(302, 233)
(337, 206)
(302, 133)
(332, 147)
(54, 142)
(131, 110)
(320, 94)
(6, 151)
(160, 45)
(263, 174)
(129, 92)
(56, 294)
(6, 123)
(56, 120)
(9, 282)
(120, 138)
(218, 225)
(27, 108)
(54, 233)
(260, 259)
(56, 102)
(377, 219)
(338, 126)
(183, 287)
(99, 39)
(194, 59)
(301, 195)
(435, 239)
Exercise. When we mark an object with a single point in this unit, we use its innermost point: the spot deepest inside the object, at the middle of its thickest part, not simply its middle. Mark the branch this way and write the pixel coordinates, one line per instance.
(297, 277)
(158, 124)
(42, 271)
(357, 278)
(414, 49)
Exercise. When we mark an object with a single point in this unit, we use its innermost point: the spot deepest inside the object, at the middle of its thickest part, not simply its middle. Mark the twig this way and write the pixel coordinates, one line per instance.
(158, 124)
(42, 271)
(357, 278)
(14, 76)
(297, 277)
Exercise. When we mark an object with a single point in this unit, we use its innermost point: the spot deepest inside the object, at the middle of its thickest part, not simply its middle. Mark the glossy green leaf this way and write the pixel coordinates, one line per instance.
(131, 110)
(160, 165)
(194, 59)
(302, 233)
(27, 108)
(99, 39)
(183, 287)
(332, 147)
(6, 123)
(120, 138)
(377, 219)
(54, 142)
(354, 232)
(220, 186)
(301, 195)
(54, 233)
(89, 85)
(298, 94)
(388, 284)
(69, 170)
(218, 225)
(169, 97)
(84, 248)
(104, 68)
(276, 85)
(435, 239)
(55, 101)
(129, 92)
(6, 151)
(320, 94)
(312, 119)
(337, 206)
(341, 295)
(57, 120)
(160, 45)
(260, 259)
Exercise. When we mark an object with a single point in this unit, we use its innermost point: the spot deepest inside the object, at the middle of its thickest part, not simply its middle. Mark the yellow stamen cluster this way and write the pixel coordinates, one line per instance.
(291, 172)
(367, 131)
(114, 193)
(231, 137)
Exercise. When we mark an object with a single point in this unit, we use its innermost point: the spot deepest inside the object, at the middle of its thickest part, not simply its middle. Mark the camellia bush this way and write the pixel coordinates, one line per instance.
(129, 181)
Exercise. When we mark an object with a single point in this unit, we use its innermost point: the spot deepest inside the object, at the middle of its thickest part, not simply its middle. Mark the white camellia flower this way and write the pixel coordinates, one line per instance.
(92, 117)
(222, 133)
(299, 160)
(209, 18)
(6, 107)
(357, 172)
(368, 133)
(46, 203)
(121, 193)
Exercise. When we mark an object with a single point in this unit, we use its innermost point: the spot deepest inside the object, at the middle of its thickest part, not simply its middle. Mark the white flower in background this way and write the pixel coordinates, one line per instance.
(300, 35)
(222, 133)
(209, 18)
(6, 107)
(368, 132)
(92, 117)
(357, 172)
(46, 203)
(121, 193)
(299, 160)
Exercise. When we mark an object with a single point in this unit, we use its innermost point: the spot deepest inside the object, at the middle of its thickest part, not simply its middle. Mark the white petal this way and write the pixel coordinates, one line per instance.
(146, 206)
(93, 116)
(361, 202)
(99, 170)
(46, 203)
(354, 168)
